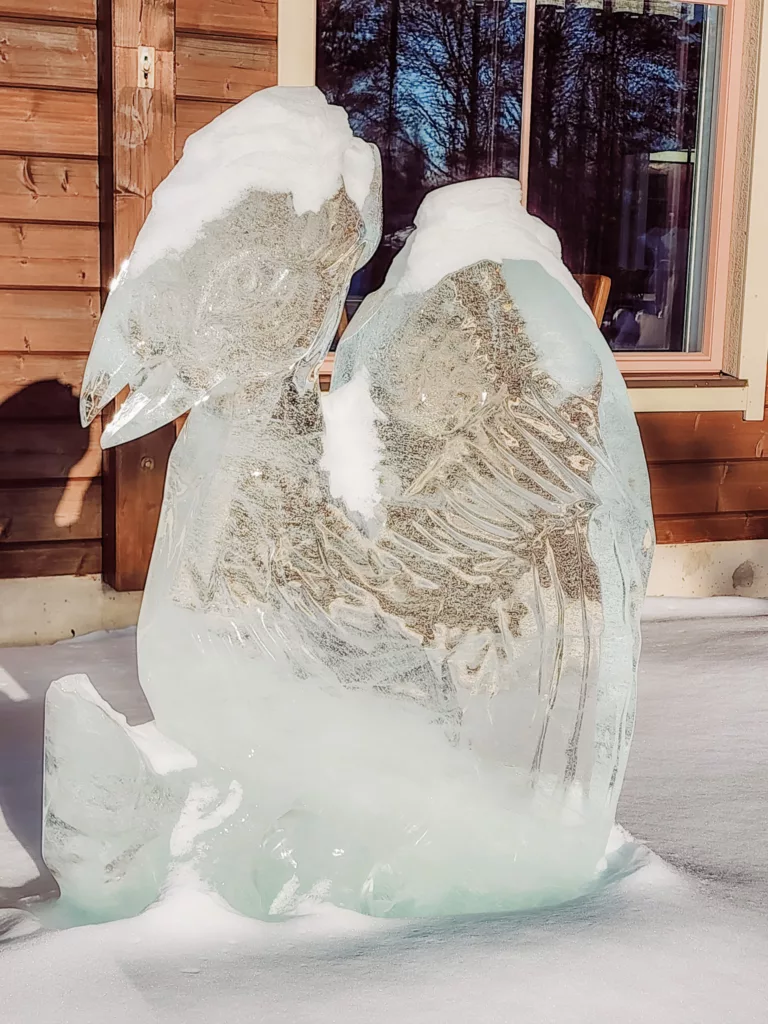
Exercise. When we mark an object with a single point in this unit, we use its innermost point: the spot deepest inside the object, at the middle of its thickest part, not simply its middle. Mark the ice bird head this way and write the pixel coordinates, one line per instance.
(239, 274)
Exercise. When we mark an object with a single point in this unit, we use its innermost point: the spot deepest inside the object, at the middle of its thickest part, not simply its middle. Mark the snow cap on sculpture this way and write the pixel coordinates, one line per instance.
(277, 140)
(273, 186)
(484, 219)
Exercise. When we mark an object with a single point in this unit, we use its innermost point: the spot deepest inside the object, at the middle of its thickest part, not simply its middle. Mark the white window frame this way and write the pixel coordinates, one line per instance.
(296, 66)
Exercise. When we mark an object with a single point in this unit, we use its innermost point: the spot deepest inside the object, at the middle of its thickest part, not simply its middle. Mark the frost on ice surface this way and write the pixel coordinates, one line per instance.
(390, 649)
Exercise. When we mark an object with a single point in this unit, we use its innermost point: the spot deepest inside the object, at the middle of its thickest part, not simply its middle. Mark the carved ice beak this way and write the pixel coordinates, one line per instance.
(158, 400)
(157, 395)
(111, 365)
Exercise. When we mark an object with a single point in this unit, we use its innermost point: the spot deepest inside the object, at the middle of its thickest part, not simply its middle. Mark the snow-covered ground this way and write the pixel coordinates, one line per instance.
(679, 939)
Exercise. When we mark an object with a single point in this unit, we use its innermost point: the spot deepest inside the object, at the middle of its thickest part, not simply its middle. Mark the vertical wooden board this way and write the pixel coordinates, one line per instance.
(42, 121)
(256, 19)
(49, 188)
(40, 53)
(144, 144)
(137, 154)
(223, 69)
(191, 115)
(35, 321)
(49, 254)
(143, 23)
(134, 481)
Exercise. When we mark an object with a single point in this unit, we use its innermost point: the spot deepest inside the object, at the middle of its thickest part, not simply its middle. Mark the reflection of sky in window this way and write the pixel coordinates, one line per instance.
(439, 65)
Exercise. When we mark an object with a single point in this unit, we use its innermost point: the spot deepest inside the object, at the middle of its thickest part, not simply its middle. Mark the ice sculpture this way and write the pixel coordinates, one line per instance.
(390, 647)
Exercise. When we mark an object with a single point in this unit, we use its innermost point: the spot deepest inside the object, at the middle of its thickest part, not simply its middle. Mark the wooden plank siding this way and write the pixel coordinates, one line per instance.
(72, 115)
(45, 512)
(192, 115)
(45, 322)
(42, 11)
(49, 255)
(244, 19)
(709, 475)
(50, 493)
(223, 69)
(36, 122)
(52, 55)
(54, 558)
(49, 188)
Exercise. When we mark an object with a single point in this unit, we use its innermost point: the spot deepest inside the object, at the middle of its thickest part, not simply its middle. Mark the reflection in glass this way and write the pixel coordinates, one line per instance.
(621, 156)
(436, 85)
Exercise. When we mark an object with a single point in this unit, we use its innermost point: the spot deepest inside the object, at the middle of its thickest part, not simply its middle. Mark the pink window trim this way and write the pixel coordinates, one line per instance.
(710, 359)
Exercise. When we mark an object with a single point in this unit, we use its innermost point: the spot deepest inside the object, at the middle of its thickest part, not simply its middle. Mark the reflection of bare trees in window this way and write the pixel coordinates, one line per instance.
(437, 86)
(611, 90)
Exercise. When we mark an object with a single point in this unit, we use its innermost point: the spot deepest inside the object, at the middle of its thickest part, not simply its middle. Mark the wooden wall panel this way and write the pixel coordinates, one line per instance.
(22, 369)
(709, 476)
(48, 513)
(210, 68)
(697, 437)
(253, 19)
(42, 121)
(52, 558)
(50, 499)
(47, 54)
(192, 115)
(45, 255)
(39, 450)
(35, 321)
(49, 188)
(51, 10)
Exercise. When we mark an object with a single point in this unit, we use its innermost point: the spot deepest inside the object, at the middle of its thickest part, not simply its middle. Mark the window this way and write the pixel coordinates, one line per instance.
(621, 161)
(620, 118)
(437, 86)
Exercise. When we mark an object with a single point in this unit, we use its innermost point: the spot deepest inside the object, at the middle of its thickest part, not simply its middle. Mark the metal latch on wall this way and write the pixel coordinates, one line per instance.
(146, 67)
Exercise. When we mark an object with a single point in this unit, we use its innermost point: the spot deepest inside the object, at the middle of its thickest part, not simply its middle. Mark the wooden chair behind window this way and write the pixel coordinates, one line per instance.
(596, 288)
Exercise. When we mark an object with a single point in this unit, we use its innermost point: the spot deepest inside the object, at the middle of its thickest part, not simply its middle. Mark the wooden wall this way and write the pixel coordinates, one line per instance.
(50, 500)
(709, 475)
(709, 471)
(225, 50)
(50, 468)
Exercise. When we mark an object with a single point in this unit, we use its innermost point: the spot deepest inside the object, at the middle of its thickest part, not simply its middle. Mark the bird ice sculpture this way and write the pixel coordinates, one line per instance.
(479, 435)
(398, 674)
(227, 307)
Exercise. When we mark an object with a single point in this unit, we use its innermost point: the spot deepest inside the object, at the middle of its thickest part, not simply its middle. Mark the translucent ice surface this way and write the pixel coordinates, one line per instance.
(390, 646)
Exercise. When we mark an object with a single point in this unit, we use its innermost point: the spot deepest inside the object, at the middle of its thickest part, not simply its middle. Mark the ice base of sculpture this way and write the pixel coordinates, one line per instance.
(400, 824)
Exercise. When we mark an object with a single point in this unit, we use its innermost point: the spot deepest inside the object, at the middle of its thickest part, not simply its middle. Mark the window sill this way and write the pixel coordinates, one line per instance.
(678, 393)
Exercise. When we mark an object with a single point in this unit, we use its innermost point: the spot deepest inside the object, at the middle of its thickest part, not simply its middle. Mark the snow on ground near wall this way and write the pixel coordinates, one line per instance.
(663, 944)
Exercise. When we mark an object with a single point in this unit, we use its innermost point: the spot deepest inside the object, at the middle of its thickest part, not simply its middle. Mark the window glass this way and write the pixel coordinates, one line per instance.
(436, 85)
(622, 118)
